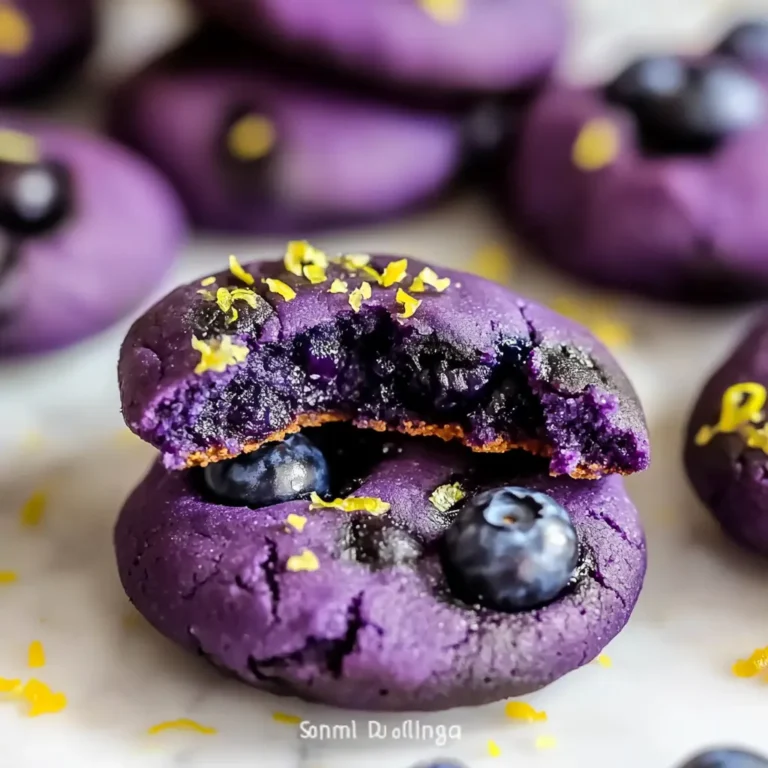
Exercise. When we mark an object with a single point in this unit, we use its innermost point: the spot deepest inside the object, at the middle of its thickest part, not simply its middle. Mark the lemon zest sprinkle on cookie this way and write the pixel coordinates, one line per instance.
(36, 655)
(219, 355)
(372, 273)
(300, 253)
(359, 295)
(182, 724)
(296, 521)
(16, 31)
(315, 274)
(8, 577)
(394, 272)
(338, 286)
(306, 561)
(226, 297)
(597, 145)
(285, 718)
(251, 137)
(353, 262)
(280, 288)
(33, 510)
(444, 11)
(236, 268)
(410, 305)
(446, 496)
(369, 504)
(428, 277)
(741, 406)
(521, 710)
(207, 295)
(205, 282)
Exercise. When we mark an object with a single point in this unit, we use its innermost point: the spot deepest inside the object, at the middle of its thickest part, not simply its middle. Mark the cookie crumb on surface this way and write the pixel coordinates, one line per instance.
(182, 724)
(520, 710)
(33, 510)
(369, 504)
(597, 145)
(306, 561)
(36, 655)
(285, 719)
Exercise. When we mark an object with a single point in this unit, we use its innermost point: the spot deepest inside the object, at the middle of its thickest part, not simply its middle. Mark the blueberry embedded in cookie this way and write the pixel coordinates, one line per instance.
(435, 438)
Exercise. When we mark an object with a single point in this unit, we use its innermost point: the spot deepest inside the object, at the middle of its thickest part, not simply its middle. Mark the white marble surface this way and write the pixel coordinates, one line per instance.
(669, 690)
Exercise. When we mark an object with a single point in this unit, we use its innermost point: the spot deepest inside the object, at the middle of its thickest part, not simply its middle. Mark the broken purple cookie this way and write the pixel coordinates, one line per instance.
(726, 449)
(363, 498)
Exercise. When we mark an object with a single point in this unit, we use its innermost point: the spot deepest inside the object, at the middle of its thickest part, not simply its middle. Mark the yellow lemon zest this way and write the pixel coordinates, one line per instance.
(205, 282)
(9, 686)
(493, 262)
(280, 288)
(33, 510)
(756, 663)
(300, 253)
(446, 496)
(520, 710)
(15, 31)
(410, 305)
(493, 749)
(369, 504)
(285, 718)
(315, 274)
(545, 742)
(36, 655)
(372, 273)
(742, 404)
(604, 660)
(8, 577)
(296, 521)
(597, 145)
(306, 561)
(597, 317)
(359, 295)
(429, 277)
(251, 137)
(354, 261)
(218, 355)
(394, 272)
(42, 700)
(236, 268)
(444, 11)
(338, 286)
(182, 724)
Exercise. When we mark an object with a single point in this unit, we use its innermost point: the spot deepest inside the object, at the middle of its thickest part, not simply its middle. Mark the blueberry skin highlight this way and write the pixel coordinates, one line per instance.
(726, 758)
(747, 42)
(510, 549)
(277, 472)
(34, 198)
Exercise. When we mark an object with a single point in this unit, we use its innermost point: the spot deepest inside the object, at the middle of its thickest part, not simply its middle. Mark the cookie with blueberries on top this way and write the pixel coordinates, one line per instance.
(726, 448)
(87, 230)
(470, 46)
(380, 485)
(657, 181)
(42, 42)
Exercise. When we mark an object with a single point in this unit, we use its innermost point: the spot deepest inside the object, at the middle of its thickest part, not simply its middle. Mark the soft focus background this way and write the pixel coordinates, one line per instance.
(669, 691)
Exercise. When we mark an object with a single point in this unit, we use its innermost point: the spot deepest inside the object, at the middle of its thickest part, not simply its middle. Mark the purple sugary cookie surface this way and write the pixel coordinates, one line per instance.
(41, 42)
(253, 145)
(370, 623)
(728, 474)
(123, 230)
(675, 226)
(460, 45)
(475, 362)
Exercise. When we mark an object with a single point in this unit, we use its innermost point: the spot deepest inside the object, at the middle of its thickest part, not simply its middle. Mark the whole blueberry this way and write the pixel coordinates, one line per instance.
(277, 472)
(510, 549)
(648, 78)
(34, 197)
(747, 42)
(726, 758)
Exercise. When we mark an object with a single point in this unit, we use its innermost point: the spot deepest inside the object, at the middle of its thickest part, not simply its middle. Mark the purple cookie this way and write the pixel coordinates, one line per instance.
(374, 626)
(252, 146)
(727, 442)
(42, 42)
(656, 183)
(452, 45)
(86, 232)
(389, 585)
(476, 363)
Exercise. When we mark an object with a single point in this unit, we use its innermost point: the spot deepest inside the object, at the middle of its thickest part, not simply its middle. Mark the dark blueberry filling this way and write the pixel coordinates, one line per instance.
(686, 107)
(510, 549)
(34, 198)
(726, 758)
(747, 42)
(378, 543)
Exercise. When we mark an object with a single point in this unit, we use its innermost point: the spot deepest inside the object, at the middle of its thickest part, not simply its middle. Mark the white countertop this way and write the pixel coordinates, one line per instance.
(669, 691)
